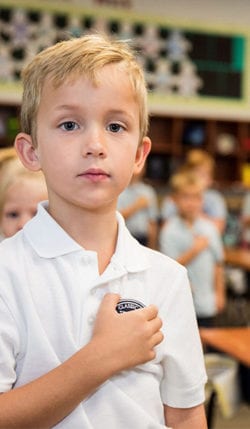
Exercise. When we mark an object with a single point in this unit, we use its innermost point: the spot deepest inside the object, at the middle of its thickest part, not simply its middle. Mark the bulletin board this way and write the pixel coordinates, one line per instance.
(187, 66)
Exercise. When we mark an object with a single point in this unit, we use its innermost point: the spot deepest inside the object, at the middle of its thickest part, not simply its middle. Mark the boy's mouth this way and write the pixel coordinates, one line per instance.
(94, 174)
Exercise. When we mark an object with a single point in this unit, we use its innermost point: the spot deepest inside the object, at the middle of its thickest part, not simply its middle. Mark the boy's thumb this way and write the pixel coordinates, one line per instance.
(110, 300)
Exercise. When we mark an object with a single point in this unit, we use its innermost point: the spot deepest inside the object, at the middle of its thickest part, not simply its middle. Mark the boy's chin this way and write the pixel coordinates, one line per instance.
(190, 217)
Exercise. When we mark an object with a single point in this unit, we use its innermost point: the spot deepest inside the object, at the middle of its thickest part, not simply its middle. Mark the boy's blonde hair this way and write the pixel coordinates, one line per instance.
(179, 182)
(68, 60)
(13, 171)
(7, 153)
(198, 158)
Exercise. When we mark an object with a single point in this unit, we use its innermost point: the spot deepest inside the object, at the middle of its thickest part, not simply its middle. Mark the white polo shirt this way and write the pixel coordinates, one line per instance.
(50, 290)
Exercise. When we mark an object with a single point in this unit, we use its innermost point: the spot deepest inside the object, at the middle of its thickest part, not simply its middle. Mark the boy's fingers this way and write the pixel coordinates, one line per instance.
(155, 324)
(150, 312)
(110, 301)
(157, 338)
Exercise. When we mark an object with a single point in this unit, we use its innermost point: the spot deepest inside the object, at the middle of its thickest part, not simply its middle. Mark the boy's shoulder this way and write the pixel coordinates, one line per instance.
(10, 243)
(10, 248)
(144, 186)
(12, 266)
(206, 225)
(162, 262)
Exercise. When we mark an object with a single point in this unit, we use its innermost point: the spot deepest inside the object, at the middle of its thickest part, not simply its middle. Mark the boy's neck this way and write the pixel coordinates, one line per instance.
(188, 221)
(93, 230)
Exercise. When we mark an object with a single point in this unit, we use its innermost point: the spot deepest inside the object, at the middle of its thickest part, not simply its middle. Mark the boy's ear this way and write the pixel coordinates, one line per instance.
(141, 154)
(27, 152)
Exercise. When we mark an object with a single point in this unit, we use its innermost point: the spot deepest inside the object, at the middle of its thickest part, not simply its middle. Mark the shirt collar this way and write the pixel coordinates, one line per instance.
(46, 236)
(50, 240)
(129, 252)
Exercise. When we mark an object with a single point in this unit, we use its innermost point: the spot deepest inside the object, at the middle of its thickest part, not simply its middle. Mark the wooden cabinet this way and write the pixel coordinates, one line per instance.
(227, 141)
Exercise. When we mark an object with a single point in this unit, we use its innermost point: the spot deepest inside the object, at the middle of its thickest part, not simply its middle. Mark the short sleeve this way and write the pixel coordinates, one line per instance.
(214, 204)
(168, 208)
(216, 245)
(183, 363)
(9, 346)
(168, 243)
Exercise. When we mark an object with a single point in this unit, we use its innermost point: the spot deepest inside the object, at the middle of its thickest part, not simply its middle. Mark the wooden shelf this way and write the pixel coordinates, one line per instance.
(225, 139)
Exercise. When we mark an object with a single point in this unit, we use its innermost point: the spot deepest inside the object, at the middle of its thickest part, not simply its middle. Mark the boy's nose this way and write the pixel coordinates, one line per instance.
(95, 145)
(95, 151)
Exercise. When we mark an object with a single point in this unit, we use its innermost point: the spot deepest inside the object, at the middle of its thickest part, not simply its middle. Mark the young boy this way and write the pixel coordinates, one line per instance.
(195, 242)
(84, 124)
(214, 207)
(202, 164)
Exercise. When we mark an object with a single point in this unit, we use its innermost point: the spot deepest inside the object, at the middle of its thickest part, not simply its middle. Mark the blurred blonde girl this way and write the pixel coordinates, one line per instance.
(20, 192)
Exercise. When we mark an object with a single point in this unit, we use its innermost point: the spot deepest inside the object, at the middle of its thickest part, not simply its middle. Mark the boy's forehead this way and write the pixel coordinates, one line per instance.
(203, 169)
(109, 80)
(191, 190)
(78, 95)
(95, 77)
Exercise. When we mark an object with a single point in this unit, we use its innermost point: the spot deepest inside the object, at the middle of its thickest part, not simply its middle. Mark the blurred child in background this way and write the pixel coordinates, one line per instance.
(195, 242)
(139, 206)
(214, 208)
(6, 153)
(20, 192)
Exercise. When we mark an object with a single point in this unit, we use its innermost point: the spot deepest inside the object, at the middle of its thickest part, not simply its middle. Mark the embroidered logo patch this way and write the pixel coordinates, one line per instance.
(125, 305)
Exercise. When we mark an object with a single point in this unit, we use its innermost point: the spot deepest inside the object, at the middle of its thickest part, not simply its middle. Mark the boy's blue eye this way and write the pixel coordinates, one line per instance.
(115, 128)
(69, 126)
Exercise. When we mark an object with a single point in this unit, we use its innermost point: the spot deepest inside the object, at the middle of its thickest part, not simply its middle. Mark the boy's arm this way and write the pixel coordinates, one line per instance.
(139, 204)
(219, 223)
(120, 341)
(185, 418)
(199, 244)
(152, 234)
(220, 293)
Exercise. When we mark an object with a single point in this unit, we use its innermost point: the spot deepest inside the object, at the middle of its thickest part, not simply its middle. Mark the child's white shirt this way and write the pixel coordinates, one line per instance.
(50, 290)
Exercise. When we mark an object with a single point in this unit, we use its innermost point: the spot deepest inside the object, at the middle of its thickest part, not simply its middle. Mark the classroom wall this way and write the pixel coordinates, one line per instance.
(211, 17)
(233, 12)
(229, 12)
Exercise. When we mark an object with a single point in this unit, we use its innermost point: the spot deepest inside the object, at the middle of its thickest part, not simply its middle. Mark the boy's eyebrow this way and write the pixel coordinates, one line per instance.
(120, 112)
(109, 112)
(67, 107)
